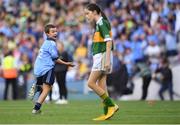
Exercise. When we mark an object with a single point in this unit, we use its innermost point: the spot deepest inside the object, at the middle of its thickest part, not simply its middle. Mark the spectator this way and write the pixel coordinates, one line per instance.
(10, 74)
(129, 62)
(153, 52)
(170, 43)
(118, 79)
(166, 78)
(145, 73)
(24, 71)
(60, 73)
(83, 70)
(80, 52)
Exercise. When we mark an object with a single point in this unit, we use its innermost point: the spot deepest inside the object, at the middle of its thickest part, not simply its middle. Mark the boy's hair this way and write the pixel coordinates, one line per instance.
(48, 27)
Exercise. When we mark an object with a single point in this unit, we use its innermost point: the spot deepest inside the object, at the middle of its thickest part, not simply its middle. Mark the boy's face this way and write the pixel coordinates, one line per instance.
(52, 33)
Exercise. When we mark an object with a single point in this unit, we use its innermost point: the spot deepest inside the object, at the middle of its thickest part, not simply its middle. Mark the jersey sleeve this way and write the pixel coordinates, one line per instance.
(53, 51)
(105, 31)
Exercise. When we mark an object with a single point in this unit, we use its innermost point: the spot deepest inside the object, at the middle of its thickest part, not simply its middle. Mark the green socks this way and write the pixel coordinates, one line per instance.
(105, 109)
(107, 101)
(104, 96)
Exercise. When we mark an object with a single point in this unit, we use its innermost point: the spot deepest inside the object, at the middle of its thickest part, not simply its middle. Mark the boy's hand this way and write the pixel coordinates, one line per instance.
(70, 64)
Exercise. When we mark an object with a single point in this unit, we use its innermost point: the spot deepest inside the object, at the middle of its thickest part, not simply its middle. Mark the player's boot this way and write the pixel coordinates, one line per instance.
(108, 113)
(100, 118)
(111, 111)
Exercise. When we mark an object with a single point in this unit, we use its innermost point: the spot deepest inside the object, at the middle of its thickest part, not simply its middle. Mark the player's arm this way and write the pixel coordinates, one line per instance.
(105, 32)
(108, 51)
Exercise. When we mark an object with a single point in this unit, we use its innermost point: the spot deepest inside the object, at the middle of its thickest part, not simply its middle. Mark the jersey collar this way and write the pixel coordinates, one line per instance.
(99, 20)
(50, 39)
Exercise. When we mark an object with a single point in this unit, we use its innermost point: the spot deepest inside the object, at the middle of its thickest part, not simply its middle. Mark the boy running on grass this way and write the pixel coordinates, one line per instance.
(44, 67)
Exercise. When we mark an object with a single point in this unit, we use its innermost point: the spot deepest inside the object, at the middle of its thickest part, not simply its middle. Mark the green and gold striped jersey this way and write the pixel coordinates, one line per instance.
(101, 36)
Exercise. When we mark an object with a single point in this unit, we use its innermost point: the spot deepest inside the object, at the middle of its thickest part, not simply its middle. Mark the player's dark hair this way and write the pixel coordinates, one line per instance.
(94, 7)
(48, 27)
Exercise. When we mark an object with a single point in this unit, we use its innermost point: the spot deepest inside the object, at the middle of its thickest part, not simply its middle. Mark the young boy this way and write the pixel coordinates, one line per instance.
(44, 66)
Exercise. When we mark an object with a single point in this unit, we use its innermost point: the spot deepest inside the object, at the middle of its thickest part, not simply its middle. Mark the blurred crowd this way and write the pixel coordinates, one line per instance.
(142, 30)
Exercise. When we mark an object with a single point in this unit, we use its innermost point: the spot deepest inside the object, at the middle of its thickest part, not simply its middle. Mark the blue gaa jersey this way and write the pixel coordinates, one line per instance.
(48, 53)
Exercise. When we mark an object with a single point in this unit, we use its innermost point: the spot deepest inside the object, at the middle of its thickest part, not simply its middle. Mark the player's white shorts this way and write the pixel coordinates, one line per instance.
(99, 62)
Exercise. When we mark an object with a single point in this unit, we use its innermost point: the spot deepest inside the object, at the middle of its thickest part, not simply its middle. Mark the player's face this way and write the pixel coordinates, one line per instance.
(52, 33)
(89, 15)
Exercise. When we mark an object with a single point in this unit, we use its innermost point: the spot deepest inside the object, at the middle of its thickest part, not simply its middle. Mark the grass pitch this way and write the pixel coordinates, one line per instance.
(83, 111)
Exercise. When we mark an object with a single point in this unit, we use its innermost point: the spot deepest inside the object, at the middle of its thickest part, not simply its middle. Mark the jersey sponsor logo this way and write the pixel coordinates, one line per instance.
(98, 38)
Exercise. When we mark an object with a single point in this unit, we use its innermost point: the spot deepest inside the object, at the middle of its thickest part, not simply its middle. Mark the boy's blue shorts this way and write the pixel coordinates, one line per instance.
(47, 78)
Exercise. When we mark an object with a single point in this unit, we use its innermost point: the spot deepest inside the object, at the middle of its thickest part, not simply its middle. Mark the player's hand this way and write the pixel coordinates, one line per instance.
(107, 67)
(70, 64)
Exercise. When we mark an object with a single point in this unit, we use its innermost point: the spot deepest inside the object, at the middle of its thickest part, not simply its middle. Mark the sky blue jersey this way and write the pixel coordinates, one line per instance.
(45, 60)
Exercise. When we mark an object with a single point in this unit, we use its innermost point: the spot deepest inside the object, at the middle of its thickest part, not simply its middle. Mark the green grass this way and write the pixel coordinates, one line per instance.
(82, 112)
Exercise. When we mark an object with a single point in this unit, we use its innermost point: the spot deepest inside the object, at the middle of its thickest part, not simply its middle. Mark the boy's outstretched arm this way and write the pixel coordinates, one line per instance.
(65, 63)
